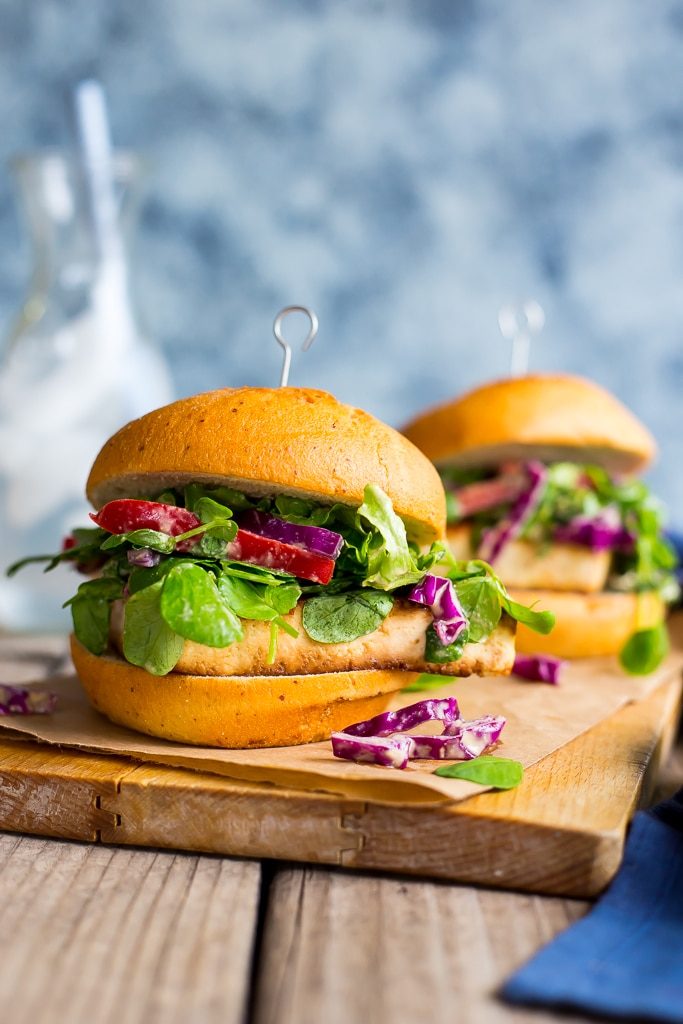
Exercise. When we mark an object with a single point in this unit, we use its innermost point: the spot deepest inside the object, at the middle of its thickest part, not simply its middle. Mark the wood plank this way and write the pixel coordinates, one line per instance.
(101, 936)
(339, 948)
(58, 793)
(561, 832)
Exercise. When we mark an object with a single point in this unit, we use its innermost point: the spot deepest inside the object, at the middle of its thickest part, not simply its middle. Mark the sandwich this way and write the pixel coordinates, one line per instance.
(541, 480)
(261, 572)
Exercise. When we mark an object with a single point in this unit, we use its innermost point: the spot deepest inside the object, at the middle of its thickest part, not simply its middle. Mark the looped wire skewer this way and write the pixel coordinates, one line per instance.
(519, 324)
(308, 340)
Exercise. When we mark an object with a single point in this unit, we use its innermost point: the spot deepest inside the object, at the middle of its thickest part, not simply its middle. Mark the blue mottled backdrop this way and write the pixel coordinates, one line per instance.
(404, 167)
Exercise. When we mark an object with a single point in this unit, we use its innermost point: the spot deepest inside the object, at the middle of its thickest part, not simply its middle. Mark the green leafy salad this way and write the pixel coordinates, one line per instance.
(194, 564)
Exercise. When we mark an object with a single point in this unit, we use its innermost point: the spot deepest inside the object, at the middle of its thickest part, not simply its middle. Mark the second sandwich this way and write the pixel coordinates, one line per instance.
(539, 472)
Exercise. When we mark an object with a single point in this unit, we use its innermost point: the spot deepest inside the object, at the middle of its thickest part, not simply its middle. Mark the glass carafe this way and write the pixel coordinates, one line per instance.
(75, 367)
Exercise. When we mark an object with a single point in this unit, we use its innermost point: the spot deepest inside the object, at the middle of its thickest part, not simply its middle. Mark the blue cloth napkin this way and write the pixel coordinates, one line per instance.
(625, 959)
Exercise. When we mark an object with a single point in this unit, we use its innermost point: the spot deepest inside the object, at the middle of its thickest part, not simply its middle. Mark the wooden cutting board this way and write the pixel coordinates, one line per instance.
(562, 831)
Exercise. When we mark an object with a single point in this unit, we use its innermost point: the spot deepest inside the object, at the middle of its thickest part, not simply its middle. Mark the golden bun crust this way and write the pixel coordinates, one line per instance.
(294, 441)
(551, 417)
(587, 625)
(233, 711)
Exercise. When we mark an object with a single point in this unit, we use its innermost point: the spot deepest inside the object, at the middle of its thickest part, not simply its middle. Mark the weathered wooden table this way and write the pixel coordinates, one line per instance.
(106, 935)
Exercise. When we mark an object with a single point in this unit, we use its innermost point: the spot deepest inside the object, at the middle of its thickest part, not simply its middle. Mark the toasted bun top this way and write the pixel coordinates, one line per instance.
(551, 417)
(271, 441)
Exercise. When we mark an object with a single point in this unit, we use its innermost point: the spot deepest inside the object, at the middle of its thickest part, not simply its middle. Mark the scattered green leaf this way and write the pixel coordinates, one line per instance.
(645, 650)
(487, 770)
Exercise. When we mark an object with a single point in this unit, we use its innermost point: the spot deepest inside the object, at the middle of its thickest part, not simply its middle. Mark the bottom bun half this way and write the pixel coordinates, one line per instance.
(587, 625)
(233, 711)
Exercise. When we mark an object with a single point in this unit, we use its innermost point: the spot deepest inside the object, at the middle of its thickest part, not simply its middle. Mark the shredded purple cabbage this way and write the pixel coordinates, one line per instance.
(372, 742)
(17, 700)
(538, 668)
(438, 594)
(443, 709)
(464, 741)
(143, 558)
(313, 538)
(604, 532)
(388, 751)
(460, 741)
(510, 526)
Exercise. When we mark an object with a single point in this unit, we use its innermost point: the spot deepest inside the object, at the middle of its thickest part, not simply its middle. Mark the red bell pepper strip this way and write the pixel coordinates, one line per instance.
(485, 494)
(273, 554)
(127, 514)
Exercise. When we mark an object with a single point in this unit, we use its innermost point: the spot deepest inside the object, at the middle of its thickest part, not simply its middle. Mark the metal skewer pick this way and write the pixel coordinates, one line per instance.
(308, 340)
(519, 324)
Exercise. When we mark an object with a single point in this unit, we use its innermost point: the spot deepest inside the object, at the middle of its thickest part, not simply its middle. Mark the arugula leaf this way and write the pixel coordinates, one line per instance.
(193, 607)
(153, 539)
(487, 770)
(148, 641)
(426, 681)
(437, 653)
(91, 612)
(340, 618)
(645, 650)
(391, 563)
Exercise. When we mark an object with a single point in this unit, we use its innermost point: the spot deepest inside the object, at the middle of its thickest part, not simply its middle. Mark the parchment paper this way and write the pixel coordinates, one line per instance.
(540, 719)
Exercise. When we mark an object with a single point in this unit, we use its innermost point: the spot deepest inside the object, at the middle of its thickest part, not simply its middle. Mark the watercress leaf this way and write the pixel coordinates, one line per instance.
(246, 599)
(106, 589)
(208, 510)
(290, 507)
(540, 622)
(437, 653)
(287, 627)
(284, 598)
(645, 650)
(426, 681)
(272, 646)
(82, 552)
(480, 600)
(193, 607)
(114, 540)
(340, 618)
(225, 496)
(140, 578)
(153, 539)
(148, 641)
(465, 573)
(390, 561)
(487, 770)
(91, 612)
(91, 623)
(257, 573)
(167, 498)
(209, 545)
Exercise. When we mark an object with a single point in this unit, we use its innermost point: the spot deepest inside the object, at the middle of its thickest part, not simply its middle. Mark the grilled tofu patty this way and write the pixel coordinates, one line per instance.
(399, 643)
(552, 566)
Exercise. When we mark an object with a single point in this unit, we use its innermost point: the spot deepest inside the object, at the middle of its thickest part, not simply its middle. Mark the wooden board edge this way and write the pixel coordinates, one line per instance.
(77, 795)
(59, 794)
